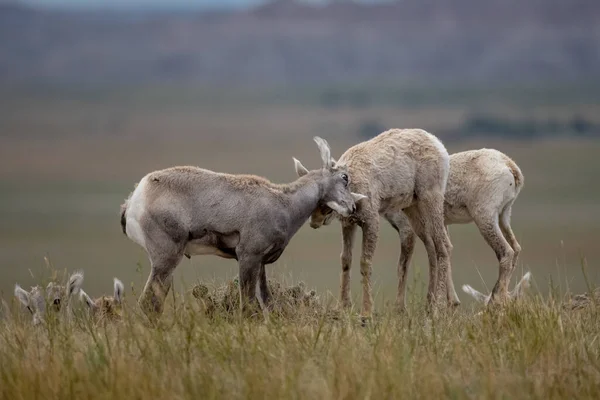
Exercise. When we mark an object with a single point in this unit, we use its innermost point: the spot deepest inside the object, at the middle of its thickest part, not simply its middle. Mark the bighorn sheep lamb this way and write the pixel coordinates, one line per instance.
(192, 211)
(517, 292)
(401, 171)
(55, 295)
(105, 307)
(482, 187)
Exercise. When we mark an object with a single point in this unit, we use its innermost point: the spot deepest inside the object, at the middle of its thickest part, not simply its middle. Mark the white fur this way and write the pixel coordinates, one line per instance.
(193, 248)
(338, 208)
(136, 206)
(87, 299)
(301, 170)
(325, 152)
(22, 295)
(75, 282)
(119, 288)
(358, 197)
(475, 294)
(446, 157)
(517, 292)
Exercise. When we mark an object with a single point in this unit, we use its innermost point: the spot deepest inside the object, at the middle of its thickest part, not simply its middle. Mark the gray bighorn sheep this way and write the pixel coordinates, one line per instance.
(482, 187)
(192, 211)
(401, 171)
(516, 293)
(54, 295)
(105, 307)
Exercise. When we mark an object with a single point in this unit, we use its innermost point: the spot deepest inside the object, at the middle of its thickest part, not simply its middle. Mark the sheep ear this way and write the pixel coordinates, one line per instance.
(119, 288)
(520, 288)
(358, 197)
(75, 282)
(22, 295)
(300, 169)
(325, 151)
(475, 294)
(87, 299)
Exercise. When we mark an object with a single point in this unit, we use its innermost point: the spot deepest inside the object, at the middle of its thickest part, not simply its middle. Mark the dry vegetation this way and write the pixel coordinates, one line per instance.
(532, 349)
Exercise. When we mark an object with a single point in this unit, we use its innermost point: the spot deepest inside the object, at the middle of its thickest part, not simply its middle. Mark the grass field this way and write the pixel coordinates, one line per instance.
(68, 160)
(531, 350)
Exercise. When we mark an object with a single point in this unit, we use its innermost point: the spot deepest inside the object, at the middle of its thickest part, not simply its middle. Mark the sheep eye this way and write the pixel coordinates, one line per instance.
(345, 177)
(57, 302)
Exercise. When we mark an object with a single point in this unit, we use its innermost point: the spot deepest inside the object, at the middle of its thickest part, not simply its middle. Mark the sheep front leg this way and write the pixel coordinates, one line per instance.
(370, 237)
(250, 269)
(265, 294)
(348, 230)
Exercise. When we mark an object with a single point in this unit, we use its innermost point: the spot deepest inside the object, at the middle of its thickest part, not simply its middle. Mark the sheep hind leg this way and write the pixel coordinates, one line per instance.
(250, 281)
(163, 263)
(490, 230)
(401, 224)
(453, 300)
(509, 235)
(431, 209)
(418, 226)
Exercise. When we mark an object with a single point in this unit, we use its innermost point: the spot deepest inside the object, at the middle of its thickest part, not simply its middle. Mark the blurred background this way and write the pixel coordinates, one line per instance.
(96, 93)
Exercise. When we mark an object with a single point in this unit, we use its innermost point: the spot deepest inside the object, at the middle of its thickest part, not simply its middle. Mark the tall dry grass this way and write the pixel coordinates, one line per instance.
(535, 348)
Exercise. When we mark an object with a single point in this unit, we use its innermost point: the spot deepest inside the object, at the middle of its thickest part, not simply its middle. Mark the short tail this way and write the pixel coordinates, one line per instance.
(517, 174)
(123, 218)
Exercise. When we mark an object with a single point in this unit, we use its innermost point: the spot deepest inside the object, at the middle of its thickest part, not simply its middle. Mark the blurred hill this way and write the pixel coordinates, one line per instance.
(288, 42)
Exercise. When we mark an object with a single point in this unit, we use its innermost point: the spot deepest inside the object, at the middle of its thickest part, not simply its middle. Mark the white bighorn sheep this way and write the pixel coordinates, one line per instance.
(482, 187)
(192, 211)
(516, 293)
(105, 307)
(54, 295)
(401, 171)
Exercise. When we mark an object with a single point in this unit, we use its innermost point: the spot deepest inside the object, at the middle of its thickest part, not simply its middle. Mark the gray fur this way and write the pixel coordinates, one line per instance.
(192, 211)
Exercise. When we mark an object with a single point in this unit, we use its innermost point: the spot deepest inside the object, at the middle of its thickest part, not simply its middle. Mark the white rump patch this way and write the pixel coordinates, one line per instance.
(136, 206)
(446, 158)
